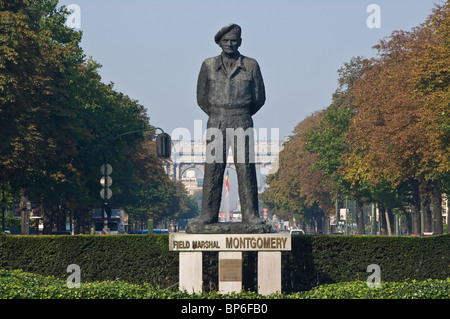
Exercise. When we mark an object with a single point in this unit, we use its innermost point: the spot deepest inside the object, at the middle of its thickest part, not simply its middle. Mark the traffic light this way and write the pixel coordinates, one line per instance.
(163, 145)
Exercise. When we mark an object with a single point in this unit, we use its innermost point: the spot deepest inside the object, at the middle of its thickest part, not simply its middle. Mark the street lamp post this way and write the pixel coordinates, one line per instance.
(163, 150)
(27, 219)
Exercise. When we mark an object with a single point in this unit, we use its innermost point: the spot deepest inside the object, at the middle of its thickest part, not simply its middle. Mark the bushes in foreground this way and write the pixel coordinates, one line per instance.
(19, 285)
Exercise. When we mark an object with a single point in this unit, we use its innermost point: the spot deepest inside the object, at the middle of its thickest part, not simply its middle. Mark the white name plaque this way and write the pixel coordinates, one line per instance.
(229, 242)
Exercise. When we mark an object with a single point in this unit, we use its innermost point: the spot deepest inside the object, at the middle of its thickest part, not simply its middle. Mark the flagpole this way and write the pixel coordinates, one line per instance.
(227, 197)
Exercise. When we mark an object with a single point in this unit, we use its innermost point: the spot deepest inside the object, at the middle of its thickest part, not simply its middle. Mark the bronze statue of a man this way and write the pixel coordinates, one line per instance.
(230, 89)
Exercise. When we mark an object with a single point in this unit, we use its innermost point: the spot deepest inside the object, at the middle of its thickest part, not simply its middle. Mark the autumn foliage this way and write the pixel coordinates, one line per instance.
(385, 137)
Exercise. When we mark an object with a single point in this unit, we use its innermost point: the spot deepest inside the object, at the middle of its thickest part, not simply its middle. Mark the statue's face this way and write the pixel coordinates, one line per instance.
(230, 42)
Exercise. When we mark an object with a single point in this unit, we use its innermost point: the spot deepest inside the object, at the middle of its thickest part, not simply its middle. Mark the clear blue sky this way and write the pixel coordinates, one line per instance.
(152, 50)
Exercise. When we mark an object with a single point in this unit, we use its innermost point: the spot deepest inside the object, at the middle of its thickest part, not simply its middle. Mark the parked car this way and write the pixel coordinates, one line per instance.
(139, 232)
(297, 232)
(160, 231)
(145, 231)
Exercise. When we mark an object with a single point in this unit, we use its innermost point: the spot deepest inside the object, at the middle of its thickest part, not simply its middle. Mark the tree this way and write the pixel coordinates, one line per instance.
(39, 123)
(294, 189)
(392, 135)
(309, 175)
(329, 141)
(385, 136)
(37, 57)
(430, 76)
(58, 120)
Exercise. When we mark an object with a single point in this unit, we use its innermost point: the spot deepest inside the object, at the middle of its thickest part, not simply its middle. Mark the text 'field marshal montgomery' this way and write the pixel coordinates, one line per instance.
(230, 89)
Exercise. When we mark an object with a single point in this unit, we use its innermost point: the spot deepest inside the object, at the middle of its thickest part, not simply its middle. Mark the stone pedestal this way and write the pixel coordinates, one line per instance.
(269, 272)
(190, 271)
(230, 271)
(230, 248)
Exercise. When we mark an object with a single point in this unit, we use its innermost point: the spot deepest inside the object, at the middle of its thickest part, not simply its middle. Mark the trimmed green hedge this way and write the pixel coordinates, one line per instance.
(318, 260)
(313, 261)
(132, 258)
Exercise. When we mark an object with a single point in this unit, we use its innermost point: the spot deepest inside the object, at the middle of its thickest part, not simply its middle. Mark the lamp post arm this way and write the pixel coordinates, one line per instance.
(138, 131)
(127, 133)
(107, 151)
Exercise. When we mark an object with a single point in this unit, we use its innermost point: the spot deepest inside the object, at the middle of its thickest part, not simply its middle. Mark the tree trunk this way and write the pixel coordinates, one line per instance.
(388, 222)
(76, 222)
(436, 208)
(320, 219)
(80, 224)
(408, 222)
(60, 219)
(360, 218)
(48, 220)
(382, 215)
(426, 201)
(373, 219)
(24, 214)
(415, 208)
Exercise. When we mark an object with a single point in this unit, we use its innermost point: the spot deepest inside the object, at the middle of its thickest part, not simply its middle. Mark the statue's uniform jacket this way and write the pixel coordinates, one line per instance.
(230, 100)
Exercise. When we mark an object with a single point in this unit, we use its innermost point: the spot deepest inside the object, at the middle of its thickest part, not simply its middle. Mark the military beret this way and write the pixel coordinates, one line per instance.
(225, 29)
